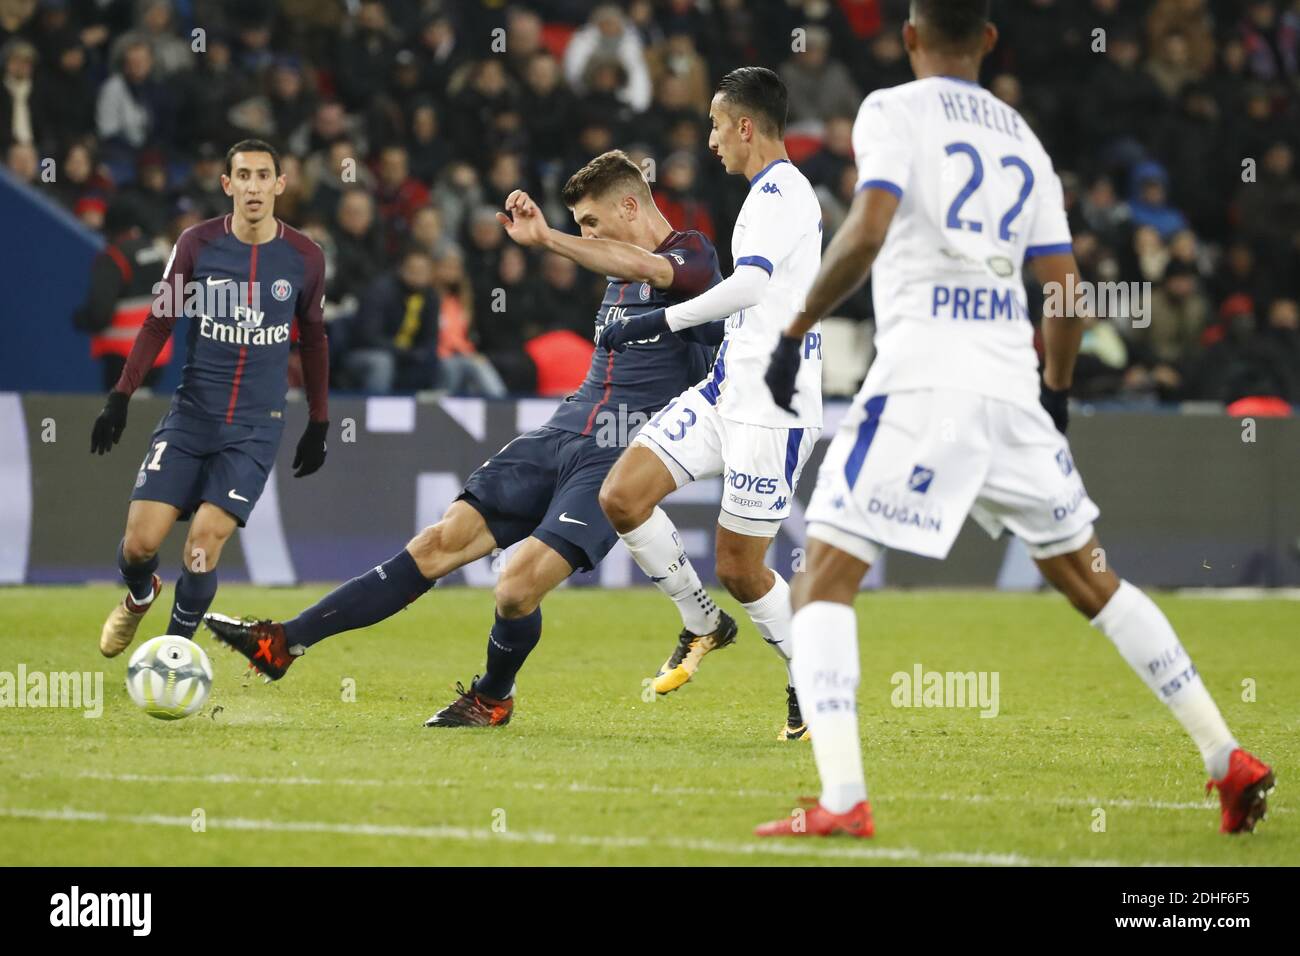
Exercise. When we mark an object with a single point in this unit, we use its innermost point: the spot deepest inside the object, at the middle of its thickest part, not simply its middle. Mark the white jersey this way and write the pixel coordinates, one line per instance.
(977, 198)
(779, 230)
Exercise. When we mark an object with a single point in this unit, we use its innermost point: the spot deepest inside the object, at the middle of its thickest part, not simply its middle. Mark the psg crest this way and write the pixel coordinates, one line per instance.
(280, 289)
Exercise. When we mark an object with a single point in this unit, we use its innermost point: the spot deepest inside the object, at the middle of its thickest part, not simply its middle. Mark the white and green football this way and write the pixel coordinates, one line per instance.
(169, 677)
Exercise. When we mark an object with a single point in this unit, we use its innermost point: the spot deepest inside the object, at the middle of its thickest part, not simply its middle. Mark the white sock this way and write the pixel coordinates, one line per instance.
(826, 675)
(771, 615)
(657, 550)
(1145, 638)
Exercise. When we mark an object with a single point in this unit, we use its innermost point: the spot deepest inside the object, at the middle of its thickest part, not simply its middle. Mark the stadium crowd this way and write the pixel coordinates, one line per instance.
(404, 124)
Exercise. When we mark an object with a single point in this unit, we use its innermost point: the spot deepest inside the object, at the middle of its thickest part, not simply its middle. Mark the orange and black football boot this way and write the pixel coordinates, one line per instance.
(1243, 792)
(262, 642)
(818, 821)
(473, 709)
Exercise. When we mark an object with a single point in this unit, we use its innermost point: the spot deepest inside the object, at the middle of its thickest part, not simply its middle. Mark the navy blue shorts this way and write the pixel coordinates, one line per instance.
(545, 484)
(192, 460)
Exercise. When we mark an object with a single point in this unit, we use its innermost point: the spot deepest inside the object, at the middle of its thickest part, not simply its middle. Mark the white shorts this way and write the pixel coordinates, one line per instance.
(905, 469)
(760, 466)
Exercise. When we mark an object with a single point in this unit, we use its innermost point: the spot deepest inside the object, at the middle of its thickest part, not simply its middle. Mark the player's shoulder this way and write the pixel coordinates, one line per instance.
(780, 181)
(303, 244)
(687, 241)
(202, 233)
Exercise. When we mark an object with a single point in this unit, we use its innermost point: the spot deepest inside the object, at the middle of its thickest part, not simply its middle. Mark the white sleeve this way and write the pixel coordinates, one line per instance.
(881, 147)
(740, 290)
(1049, 232)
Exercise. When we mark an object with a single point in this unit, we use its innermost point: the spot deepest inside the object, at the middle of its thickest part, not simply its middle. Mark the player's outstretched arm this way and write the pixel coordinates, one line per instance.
(1062, 334)
(845, 265)
(740, 290)
(526, 225)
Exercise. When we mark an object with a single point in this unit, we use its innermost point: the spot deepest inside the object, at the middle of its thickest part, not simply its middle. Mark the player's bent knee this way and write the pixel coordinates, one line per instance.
(138, 548)
(517, 595)
(621, 507)
(433, 548)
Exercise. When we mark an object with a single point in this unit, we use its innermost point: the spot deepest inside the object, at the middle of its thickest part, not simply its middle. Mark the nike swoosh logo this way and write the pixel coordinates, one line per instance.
(236, 495)
(212, 281)
(565, 518)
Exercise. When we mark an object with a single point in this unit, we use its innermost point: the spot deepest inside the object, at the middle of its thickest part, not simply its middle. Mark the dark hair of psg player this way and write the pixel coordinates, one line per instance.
(252, 146)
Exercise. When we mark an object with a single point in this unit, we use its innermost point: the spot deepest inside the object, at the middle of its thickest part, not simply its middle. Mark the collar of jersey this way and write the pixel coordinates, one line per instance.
(763, 172)
(958, 79)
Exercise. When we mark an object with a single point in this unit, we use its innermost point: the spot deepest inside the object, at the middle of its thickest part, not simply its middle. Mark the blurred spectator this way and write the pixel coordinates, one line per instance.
(134, 107)
(149, 196)
(461, 370)
(1163, 351)
(609, 35)
(22, 162)
(826, 167)
(1242, 362)
(679, 198)
(365, 56)
(203, 187)
(20, 115)
(677, 58)
(1271, 40)
(399, 195)
(426, 148)
(818, 86)
(1149, 200)
(562, 303)
(67, 92)
(548, 107)
(394, 343)
(358, 244)
(171, 54)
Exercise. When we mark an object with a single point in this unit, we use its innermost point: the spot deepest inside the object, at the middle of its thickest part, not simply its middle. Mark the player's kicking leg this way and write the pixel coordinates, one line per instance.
(147, 524)
(630, 498)
(271, 647)
(826, 672)
(1144, 637)
(532, 572)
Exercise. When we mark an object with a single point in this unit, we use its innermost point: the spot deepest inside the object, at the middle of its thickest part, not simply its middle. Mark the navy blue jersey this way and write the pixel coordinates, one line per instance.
(651, 373)
(241, 301)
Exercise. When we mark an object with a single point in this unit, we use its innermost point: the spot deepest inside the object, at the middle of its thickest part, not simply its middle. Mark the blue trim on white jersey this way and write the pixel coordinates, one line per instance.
(763, 172)
(1057, 248)
(792, 443)
(760, 261)
(866, 434)
(711, 390)
(884, 184)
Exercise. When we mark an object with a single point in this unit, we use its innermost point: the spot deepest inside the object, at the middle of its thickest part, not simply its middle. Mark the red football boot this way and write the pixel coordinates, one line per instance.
(818, 821)
(1243, 792)
(262, 642)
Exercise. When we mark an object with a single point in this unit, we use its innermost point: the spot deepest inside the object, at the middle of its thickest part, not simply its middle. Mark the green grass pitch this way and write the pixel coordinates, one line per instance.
(1080, 765)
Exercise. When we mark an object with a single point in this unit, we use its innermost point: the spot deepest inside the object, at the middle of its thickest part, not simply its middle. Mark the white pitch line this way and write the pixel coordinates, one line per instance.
(653, 790)
(542, 838)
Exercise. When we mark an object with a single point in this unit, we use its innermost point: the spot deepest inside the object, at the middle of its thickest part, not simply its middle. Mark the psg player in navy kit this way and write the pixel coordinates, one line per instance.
(542, 487)
(242, 279)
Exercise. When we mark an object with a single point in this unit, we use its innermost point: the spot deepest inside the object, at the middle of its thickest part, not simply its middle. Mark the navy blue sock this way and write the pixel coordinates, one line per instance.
(138, 577)
(509, 644)
(379, 593)
(194, 594)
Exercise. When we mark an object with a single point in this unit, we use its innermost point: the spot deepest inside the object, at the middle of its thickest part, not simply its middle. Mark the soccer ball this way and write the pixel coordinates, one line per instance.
(169, 677)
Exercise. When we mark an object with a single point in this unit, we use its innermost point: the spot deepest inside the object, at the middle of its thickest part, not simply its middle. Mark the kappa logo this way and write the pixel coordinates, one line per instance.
(920, 479)
(771, 188)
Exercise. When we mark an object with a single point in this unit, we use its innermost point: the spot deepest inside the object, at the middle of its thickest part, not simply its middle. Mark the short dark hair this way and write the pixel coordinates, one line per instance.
(606, 171)
(958, 22)
(252, 146)
(759, 91)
